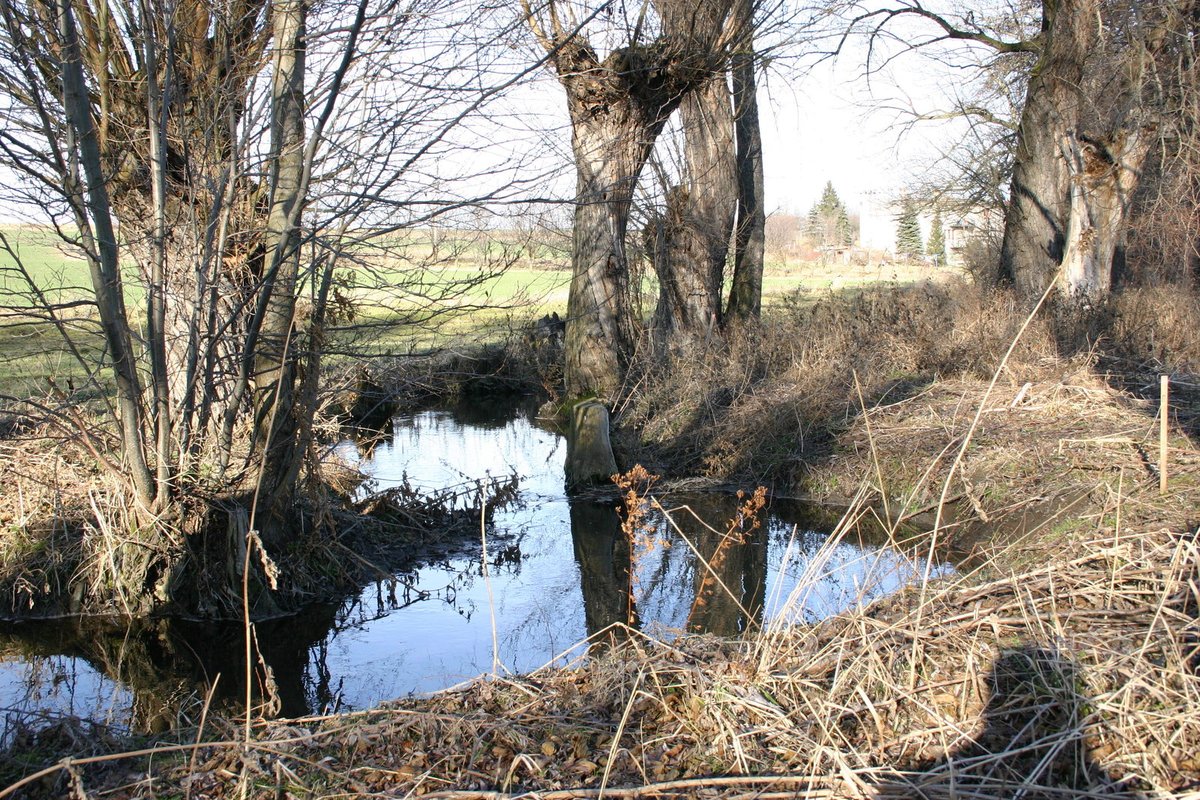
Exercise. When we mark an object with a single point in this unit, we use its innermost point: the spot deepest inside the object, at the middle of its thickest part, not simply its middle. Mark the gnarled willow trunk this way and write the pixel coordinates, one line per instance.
(693, 244)
(698, 223)
(618, 107)
(143, 110)
(1035, 225)
(1104, 177)
(1109, 77)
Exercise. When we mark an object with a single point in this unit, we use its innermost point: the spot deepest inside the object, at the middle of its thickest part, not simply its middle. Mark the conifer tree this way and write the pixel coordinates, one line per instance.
(937, 238)
(828, 221)
(908, 231)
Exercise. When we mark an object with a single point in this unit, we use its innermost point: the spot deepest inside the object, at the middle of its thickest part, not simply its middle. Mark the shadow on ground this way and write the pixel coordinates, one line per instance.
(1033, 743)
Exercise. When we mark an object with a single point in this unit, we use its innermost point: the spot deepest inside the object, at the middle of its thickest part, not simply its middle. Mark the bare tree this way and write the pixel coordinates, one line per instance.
(618, 105)
(693, 244)
(1099, 92)
(715, 215)
(217, 164)
(749, 241)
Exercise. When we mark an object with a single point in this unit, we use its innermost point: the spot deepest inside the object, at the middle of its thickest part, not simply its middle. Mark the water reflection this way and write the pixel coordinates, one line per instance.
(602, 557)
(555, 573)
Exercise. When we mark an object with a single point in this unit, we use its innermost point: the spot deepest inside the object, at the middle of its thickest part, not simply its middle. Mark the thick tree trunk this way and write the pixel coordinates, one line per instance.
(745, 293)
(618, 108)
(698, 225)
(690, 261)
(609, 155)
(1104, 177)
(1035, 225)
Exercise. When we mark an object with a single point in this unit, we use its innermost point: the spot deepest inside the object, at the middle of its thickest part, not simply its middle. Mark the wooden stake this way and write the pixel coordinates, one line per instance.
(1163, 407)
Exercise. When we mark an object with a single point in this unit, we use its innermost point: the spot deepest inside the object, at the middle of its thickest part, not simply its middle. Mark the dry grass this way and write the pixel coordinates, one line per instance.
(775, 401)
(1073, 679)
(772, 401)
(1062, 660)
(72, 543)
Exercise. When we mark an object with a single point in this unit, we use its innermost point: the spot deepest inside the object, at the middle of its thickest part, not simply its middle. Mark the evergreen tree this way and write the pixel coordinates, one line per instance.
(937, 239)
(829, 222)
(908, 231)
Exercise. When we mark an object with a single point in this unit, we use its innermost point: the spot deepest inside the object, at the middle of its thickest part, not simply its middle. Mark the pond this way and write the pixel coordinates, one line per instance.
(543, 577)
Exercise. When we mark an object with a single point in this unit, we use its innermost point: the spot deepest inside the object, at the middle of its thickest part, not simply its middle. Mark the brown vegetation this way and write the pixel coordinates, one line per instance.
(770, 404)
(1061, 660)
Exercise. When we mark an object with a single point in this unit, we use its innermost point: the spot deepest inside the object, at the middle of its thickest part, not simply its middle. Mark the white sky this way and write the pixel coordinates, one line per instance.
(815, 133)
(821, 126)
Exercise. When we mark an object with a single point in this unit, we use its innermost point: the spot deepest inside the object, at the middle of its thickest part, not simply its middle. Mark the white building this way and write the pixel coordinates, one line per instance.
(876, 223)
(879, 216)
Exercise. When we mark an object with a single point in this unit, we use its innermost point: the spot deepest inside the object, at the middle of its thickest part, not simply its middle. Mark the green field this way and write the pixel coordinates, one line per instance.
(40, 254)
(408, 293)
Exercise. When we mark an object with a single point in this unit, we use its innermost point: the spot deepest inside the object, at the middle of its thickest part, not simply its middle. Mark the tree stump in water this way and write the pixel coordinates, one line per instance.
(590, 459)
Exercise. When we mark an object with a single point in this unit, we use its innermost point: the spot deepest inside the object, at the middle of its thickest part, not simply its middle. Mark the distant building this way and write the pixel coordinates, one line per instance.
(964, 228)
(878, 222)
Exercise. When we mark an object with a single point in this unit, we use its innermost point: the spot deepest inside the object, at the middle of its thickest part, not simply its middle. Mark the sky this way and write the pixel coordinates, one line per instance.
(820, 126)
(826, 123)
(833, 124)
(815, 135)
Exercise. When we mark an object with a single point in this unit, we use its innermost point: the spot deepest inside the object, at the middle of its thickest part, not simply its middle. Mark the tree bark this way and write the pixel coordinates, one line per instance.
(690, 262)
(94, 217)
(618, 107)
(1108, 78)
(156, 301)
(1104, 178)
(609, 154)
(276, 423)
(1036, 220)
(698, 225)
(745, 293)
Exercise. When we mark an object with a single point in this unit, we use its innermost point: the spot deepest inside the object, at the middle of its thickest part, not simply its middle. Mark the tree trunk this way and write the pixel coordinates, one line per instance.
(276, 423)
(618, 108)
(156, 301)
(1104, 178)
(1035, 225)
(599, 327)
(94, 217)
(690, 261)
(745, 293)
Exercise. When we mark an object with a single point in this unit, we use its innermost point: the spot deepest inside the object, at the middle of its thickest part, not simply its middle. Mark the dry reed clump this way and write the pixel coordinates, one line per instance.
(65, 536)
(1138, 334)
(772, 400)
(73, 542)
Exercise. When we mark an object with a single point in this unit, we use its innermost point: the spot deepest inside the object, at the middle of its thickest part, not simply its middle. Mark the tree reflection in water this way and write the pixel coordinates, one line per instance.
(560, 570)
(685, 579)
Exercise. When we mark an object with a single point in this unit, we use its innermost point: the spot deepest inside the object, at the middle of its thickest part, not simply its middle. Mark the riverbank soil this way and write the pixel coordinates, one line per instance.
(1061, 659)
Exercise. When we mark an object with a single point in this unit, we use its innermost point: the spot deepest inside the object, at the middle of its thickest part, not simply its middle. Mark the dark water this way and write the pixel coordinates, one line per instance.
(556, 572)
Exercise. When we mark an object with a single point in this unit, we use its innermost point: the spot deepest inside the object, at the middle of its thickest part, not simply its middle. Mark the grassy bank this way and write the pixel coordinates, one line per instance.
(1061, 660)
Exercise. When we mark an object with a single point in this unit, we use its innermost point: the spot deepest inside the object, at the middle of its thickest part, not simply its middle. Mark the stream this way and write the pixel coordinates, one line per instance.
(557, 571)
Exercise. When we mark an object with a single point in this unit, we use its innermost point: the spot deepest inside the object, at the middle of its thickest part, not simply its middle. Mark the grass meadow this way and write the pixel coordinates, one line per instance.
(411, 292)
